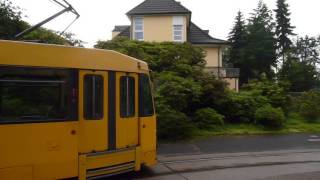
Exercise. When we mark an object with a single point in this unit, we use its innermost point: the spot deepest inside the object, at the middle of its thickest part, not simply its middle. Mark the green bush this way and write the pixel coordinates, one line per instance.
(172, 124)
(270, 117)
(272, 91)
(242, 106)
(176, 91)
(309, 105)
(206, 118)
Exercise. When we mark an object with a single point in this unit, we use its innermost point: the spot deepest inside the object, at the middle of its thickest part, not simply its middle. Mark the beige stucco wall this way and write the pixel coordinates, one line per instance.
(160, 28)
(233, 83)
(213, 57)
(114, 34)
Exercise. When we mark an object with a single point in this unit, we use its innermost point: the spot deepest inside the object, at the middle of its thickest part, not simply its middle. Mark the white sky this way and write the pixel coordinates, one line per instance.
(98, 17)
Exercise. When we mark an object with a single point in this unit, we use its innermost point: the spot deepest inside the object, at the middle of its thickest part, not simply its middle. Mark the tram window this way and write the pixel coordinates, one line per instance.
(36, 95)
(93, 97)
(127, 96)
(145, 96)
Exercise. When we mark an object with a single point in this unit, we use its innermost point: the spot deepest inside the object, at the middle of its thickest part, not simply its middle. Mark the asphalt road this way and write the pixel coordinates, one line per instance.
(236, 144)
(272, 157)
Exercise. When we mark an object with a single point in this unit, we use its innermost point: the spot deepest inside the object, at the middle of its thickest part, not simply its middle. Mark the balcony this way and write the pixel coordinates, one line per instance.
(222, 72)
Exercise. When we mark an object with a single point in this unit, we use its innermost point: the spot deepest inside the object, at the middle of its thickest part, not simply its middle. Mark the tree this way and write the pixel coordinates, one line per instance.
(283, 28)
(10, 20)
(261, 48)
(300, 69)
(238, 41)
(307, 49)
(11, 23)
(300, 75)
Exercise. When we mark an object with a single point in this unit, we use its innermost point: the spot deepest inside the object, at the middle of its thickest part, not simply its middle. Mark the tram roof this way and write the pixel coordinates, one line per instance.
(19, 53)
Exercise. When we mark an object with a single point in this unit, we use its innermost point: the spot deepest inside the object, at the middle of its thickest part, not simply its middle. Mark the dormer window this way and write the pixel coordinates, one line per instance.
(178, 29)
(138, 28)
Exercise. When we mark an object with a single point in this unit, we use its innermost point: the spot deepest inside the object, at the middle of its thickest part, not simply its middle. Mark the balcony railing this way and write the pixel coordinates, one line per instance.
(222, 72)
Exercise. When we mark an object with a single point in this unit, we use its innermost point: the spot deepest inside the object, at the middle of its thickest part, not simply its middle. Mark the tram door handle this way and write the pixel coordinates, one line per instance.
(143, 126)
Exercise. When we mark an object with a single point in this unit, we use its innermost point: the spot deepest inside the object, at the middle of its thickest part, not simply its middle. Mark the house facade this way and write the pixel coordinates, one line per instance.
(168, 20)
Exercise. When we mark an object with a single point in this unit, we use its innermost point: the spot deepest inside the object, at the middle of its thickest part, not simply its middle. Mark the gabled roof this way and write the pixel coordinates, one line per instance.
(149, 7)
(125, 32)
(120, 28)
(198, 36)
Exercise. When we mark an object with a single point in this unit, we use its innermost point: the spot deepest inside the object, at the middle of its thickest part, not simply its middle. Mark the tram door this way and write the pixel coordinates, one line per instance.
(126, 110)
(93, 111)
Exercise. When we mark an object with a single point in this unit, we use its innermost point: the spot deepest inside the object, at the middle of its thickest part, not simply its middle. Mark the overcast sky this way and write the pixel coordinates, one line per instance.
(98, 17)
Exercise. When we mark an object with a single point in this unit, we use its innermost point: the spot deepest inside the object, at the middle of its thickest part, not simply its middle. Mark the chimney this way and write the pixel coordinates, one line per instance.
(206, 31)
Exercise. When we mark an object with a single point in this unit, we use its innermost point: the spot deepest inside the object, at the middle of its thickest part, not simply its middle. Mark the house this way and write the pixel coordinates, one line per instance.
(168, 20)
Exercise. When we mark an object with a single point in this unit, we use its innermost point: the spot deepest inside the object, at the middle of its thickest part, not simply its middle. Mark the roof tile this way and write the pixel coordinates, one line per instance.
(198, 36)
(159, 7)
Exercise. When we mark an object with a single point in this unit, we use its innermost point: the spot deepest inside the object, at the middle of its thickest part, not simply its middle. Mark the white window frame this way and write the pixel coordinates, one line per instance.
(178, 21)
(139, 30)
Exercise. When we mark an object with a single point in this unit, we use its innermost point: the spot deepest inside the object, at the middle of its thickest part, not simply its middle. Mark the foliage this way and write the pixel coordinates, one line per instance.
(308, 105)
(273, 92)
(214, 93)
(300, 75)
(253, 45)
(176, 91)
(270, 117)
(10, 20)
(242, 107)
(238, 42)
(261, 48)
(283, 28)
(173, 125)
(207, 117)
(300, 68)
(184, 59)
(11, 24)
(307, 49)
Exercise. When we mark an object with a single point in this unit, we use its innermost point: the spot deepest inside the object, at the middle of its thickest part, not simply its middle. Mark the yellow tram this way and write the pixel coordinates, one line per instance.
(70, 112)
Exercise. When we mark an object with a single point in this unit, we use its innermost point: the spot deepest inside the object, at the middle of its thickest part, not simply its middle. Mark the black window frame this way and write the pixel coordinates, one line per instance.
(141, 96)
(72, 99)
(93, 115)
(127, 107)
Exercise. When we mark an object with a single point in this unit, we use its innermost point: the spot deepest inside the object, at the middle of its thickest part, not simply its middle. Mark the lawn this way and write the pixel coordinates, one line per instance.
(294, 124)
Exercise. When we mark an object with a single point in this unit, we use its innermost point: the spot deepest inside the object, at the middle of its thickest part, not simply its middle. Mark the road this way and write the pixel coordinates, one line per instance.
(277, 157)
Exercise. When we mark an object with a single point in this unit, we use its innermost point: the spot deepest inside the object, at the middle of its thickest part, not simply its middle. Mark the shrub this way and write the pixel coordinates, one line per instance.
(207, 117)
(309, 106)
(172, 124)
(272, 91)
(270, 117)
(176, 91)
(242, 106)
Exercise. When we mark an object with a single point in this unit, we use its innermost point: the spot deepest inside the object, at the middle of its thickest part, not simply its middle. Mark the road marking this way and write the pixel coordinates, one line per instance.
(314, 140)
(314, 136)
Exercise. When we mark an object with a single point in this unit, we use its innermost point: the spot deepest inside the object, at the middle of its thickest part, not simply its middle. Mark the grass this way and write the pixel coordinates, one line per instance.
(294, 124)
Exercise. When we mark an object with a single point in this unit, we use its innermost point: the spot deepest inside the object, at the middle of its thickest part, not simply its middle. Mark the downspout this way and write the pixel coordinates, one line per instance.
(219, 62)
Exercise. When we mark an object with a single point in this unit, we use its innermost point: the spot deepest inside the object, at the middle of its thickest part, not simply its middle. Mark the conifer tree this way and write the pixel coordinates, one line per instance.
(283, 28)
(261, 48)
(237, 38)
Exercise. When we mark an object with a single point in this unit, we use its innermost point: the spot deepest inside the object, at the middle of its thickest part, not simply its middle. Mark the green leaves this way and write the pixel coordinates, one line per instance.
(283, 29)
(270, 117)
(176, 91)
(11, 24)
(10, 20)
(253, 46)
